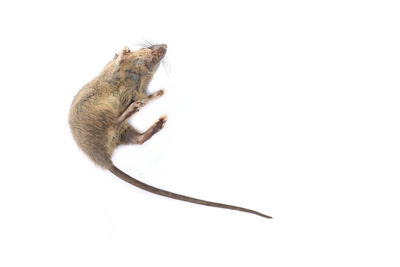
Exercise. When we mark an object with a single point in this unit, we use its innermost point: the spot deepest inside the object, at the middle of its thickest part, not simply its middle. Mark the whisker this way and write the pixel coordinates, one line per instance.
(142, 43)
(139, 44)
(148, 42)
(166, 65)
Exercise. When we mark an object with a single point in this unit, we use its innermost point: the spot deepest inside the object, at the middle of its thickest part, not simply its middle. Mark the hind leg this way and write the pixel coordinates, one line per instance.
(130, 135)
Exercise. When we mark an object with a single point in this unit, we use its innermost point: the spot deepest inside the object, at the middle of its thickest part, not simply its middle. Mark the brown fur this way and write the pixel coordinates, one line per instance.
(98, 105)
(99, 113)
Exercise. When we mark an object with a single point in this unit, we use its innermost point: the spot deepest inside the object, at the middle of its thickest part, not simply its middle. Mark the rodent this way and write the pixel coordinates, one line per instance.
(99, 113)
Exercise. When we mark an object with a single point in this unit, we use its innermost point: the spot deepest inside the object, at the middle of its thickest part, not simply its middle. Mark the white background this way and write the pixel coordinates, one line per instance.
(291, 108)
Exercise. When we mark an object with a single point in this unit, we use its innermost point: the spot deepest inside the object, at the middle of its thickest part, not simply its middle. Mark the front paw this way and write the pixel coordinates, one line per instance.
(157, 94)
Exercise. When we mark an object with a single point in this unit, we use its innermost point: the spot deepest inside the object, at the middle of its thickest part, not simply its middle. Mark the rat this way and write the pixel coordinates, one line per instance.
(99, 113)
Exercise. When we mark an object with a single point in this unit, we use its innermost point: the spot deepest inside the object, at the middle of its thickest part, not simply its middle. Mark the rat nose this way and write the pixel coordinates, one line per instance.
(159, 50)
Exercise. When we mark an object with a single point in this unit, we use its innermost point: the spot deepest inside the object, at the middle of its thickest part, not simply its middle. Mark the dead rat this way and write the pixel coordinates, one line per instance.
(99, 114)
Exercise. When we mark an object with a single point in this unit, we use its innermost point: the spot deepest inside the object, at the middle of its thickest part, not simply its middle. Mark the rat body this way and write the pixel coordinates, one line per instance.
(99, 113)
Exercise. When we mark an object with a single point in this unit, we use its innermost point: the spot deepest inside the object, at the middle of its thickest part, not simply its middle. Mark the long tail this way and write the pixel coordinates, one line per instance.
(120, 174)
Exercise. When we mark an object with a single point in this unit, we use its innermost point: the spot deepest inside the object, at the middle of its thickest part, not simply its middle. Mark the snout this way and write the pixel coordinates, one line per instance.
(156, 55)
(159, 51)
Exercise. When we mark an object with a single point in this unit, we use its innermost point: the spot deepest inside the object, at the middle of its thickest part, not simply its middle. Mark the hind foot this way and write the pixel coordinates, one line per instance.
(129, 135)
(155, 128)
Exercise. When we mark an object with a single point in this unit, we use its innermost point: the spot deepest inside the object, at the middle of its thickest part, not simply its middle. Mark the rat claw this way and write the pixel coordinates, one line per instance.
(161, 121)
(160, 93)
(155, 128)
(157, 94)
(158, 125)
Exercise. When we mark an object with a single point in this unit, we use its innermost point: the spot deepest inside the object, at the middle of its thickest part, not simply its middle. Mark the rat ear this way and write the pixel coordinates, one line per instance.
(123, 54)
(125, 51)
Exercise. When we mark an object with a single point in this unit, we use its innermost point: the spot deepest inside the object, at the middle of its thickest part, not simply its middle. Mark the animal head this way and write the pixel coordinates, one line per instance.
(143, 61)
(129, 67)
